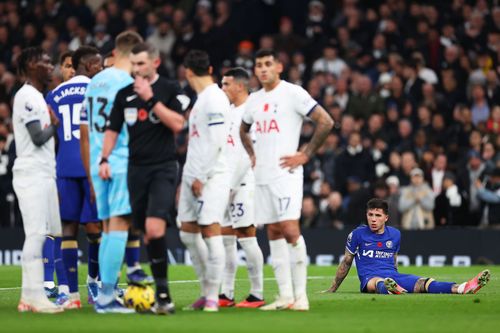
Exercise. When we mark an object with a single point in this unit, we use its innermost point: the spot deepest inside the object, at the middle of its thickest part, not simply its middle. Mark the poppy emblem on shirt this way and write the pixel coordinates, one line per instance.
(379, 244)
(388, 244)
(143, 115)
(266, 107)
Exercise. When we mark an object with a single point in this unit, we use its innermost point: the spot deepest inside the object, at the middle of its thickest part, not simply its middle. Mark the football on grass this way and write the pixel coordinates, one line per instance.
(140, 298)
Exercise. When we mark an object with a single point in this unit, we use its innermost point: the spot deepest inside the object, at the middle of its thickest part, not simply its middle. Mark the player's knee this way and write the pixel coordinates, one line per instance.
(154, 228)
(274, 231)
(93, 238)
(93, 228)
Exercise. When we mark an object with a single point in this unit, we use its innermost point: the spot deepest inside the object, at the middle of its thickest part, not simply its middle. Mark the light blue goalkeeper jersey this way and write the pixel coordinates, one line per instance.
(99, 99)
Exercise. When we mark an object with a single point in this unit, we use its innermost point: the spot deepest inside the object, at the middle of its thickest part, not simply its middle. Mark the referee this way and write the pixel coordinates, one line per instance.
(152, 113)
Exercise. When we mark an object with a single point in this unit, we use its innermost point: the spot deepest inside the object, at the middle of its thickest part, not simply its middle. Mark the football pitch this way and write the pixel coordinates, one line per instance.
(345, 311)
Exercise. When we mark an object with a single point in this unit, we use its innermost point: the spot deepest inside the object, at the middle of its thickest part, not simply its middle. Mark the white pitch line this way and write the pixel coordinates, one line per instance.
(188, 281)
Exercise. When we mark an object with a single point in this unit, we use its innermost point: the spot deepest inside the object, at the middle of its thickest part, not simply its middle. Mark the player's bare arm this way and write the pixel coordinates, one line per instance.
(169, 118)
(109, 143)
(247, 141)
(342, 271)
(85, 154)
(324, 124)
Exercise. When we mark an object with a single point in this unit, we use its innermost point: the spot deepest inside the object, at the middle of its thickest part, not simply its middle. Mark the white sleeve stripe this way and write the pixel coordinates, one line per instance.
(350, 251)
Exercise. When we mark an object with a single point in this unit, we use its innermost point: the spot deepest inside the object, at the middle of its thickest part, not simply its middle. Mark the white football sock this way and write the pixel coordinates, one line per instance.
(49, 284)
(63, 289)
(32, 263)
(74, 296)
(461, 287)
(227, 287)
(215, 266)
(280, 259)
(198, 253)
(298, 259)
(255, 265)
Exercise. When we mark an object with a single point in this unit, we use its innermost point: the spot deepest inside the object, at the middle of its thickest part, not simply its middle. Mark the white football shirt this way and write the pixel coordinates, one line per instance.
(237, 158)
(29, 106)
(277, 117)
(208, 133)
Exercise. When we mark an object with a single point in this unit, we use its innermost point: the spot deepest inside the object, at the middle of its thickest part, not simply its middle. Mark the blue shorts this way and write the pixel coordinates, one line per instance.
(74, 200)
(111, 196)
(407, 281)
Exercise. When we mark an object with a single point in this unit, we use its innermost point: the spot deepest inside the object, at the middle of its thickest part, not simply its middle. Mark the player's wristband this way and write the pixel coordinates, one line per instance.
(103, 160)
(150, 103)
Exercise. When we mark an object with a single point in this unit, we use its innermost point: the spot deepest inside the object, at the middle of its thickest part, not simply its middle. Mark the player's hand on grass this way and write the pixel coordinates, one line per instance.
(105, 171)
(142, 88)
(53, 118)
(332, 289)
(293, 161)
(197, 188)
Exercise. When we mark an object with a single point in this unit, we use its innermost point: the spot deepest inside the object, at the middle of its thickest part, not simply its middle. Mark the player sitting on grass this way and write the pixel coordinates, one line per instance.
(376, 247)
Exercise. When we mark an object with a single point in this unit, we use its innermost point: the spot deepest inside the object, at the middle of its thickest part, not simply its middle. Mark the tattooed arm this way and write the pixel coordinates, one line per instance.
(324, 124)
(247, 141)
(342, 272)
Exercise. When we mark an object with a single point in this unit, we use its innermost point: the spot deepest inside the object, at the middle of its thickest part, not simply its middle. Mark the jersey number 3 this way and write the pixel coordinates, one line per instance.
(103, 102)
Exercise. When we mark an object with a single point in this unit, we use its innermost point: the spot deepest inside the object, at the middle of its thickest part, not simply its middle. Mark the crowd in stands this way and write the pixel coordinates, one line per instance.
(413, 87)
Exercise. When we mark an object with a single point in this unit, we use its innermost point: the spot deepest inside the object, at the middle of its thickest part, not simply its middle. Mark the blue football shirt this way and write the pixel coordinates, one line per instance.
(66, 101)
(99, 99)
(374, 253)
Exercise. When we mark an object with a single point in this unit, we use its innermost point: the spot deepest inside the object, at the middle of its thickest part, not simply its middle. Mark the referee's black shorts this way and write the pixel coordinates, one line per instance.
(152, 191)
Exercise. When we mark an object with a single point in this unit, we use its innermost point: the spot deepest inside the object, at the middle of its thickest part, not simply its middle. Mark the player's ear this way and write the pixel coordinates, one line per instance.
(157, 62)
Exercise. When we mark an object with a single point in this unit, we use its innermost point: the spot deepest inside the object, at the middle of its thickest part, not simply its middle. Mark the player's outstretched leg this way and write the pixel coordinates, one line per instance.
(48, 267)
(473, 285)
(391, 287)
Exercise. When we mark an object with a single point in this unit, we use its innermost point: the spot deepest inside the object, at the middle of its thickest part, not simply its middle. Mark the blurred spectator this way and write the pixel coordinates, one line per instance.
(448, 204)
(329, 62)
(489, 193)
(417, 203)
(332, 215)
(393, 200)
(364, 101)
(479, 107)
(466, 181)
(310, 215)
(353, 161)
(437, 173)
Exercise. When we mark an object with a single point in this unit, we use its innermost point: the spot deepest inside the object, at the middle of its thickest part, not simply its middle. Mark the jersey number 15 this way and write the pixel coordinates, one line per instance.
(70, 117)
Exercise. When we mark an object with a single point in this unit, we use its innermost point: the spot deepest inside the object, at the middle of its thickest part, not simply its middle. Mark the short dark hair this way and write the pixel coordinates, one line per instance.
(377, 203)
(126, 40)
(239, 73)
(82, 53)
(67, 54)
(28, 55)
(266, 53)
(149, 48)
(198, 61)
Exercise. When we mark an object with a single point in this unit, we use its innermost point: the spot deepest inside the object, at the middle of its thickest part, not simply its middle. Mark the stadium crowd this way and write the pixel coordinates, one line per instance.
(413, 87)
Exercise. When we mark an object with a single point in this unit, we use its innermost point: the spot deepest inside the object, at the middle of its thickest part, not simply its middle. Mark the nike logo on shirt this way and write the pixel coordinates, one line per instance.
(130, 98)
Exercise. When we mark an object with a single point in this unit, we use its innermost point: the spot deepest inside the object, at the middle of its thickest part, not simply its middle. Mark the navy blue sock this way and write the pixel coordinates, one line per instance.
(48, 259)
(59, 263)
(69, 249)
(436, 287)
(93, 258)
(381, 289)
(133, 250)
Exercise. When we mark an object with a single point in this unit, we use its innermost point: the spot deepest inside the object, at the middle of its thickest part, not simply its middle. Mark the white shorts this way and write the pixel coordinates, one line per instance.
(39, 204)
(210, 207)
(241, 209)
(279, 201)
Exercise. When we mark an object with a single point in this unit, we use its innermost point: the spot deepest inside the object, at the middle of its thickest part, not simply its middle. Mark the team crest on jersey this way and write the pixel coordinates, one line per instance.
(28, 107)
(388, 244)
(130, 116)
(349, 238)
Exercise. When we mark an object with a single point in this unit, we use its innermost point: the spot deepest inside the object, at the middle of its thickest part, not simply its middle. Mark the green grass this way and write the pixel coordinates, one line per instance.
(345, 311)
